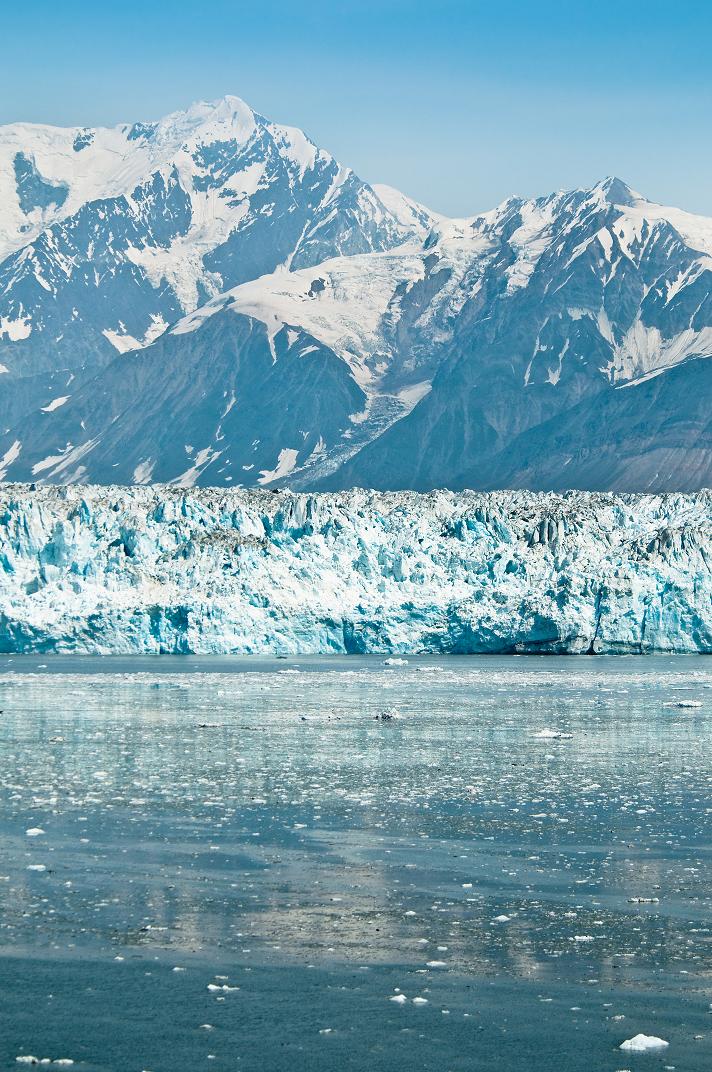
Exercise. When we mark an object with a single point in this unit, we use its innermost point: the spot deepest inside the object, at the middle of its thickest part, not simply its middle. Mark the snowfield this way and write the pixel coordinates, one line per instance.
(166, 569)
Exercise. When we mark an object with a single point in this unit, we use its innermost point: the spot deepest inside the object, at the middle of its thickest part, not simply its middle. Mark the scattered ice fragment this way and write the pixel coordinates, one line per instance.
(400, 999)
(34, 831)
(28, 1059)
(554, 735)
(420, 1001)
(395, 662)
(643, 1044)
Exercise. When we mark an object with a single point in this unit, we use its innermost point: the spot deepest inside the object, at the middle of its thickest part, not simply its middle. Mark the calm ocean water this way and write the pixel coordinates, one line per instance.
(218, 863)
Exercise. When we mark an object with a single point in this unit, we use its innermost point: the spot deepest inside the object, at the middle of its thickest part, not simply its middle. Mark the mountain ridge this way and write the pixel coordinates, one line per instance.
(109, 239)
(252, 313)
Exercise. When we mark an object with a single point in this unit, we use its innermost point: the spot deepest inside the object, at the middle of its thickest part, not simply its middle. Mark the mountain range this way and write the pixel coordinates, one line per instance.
(212, 299)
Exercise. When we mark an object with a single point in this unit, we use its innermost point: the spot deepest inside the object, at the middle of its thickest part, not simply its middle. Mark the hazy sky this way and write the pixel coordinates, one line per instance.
(457, 103)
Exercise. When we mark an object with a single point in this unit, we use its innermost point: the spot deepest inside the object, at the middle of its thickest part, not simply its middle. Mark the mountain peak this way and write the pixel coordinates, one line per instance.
(227, 107)
(226, 113)
(617, 192)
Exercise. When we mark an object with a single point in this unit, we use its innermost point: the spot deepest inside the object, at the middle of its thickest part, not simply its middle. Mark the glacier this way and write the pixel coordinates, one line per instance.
(163, 569)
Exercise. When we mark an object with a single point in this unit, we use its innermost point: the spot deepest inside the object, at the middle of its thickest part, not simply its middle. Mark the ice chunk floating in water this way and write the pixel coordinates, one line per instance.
(644, 1044)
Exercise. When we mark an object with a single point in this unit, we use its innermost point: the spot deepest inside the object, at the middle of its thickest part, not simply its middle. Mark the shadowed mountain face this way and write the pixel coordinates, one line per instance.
(233, 378)
(228, 305)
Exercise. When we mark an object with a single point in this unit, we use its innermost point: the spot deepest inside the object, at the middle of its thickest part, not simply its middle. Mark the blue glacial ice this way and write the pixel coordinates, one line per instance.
(211, 571)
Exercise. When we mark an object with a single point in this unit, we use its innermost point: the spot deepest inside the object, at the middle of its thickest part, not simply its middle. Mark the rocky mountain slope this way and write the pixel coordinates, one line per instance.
(111, 569)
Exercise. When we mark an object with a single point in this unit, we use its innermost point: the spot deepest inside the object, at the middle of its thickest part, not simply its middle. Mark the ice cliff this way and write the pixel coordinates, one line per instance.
(165, 569)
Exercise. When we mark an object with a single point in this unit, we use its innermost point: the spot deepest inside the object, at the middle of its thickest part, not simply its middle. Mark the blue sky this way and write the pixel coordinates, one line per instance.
(457, 103)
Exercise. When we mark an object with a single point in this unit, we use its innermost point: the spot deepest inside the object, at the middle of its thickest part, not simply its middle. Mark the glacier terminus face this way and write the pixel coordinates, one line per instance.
(210, 571)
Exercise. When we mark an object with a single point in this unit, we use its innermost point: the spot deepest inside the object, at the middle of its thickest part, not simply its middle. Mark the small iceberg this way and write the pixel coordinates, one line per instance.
(554, 735)
(643, 1044)
(28, 1059)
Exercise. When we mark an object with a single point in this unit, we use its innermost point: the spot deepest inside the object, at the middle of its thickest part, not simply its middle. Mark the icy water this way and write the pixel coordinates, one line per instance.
(233, 864)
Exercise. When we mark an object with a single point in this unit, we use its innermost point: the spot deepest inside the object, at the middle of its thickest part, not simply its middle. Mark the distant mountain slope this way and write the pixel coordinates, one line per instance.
(215, 406)
(233, 307)
(582, 302)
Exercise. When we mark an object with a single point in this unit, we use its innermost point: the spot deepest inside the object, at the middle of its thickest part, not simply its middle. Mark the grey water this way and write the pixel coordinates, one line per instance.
(218, 863)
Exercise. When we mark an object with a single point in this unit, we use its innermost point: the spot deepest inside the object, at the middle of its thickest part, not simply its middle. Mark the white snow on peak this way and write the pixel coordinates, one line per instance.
(297, 147)
(615, 191)
(530, 240)
(696, 231)
(87, 164)
(207, 121)
(411, 214)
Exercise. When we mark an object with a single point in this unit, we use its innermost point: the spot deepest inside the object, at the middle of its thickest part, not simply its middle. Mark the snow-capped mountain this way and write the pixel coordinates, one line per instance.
(107, 236)
(577, 358)
(273, 319)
